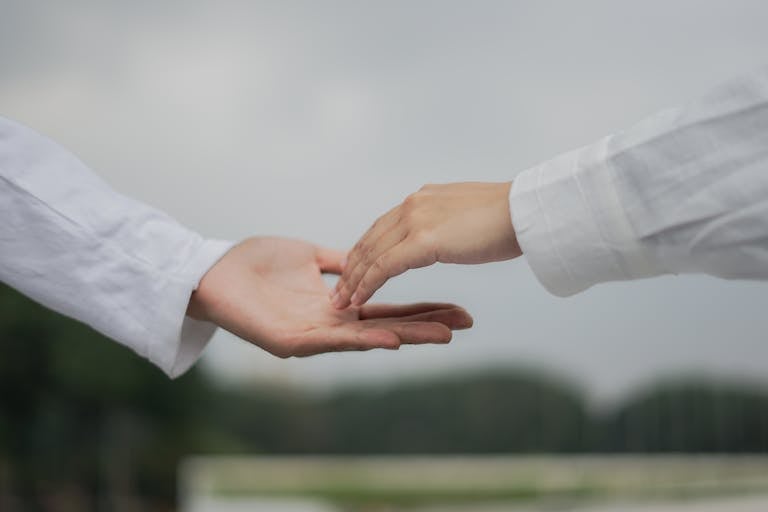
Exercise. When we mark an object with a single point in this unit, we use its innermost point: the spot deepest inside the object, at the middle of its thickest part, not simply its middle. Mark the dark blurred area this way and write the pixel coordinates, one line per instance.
(87, 425)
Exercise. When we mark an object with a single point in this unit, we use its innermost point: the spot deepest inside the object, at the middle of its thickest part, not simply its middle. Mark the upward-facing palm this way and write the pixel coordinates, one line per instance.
(270, 291)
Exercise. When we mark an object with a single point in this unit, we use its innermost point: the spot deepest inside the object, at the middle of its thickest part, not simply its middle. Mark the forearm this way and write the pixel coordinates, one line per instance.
(682, 191)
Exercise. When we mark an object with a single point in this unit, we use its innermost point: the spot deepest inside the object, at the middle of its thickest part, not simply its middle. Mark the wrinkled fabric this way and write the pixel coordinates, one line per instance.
(685, 191)
(71, 243)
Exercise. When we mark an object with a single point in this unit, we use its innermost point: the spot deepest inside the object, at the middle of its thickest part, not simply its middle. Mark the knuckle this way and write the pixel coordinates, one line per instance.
(369, 260)
(411, 201)
(380, 264)
(366, 250)
(360, 248)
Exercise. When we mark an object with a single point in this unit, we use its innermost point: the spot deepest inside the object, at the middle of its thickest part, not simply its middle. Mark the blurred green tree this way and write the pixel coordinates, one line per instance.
(492, 412)
(691, 416)
(84, 420)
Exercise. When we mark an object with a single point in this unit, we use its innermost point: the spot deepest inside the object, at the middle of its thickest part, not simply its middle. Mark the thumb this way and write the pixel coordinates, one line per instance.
(330, 261)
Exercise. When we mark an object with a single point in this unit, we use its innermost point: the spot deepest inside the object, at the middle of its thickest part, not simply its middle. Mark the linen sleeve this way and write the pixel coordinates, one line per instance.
(73, 244)
(685, 191)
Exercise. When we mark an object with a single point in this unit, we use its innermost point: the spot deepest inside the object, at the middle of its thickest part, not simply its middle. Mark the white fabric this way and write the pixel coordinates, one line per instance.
(685, 191)
(70, 242)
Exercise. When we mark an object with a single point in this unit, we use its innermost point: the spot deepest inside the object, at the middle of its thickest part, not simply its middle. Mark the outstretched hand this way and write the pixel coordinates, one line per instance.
(454, 223)
(270, 292)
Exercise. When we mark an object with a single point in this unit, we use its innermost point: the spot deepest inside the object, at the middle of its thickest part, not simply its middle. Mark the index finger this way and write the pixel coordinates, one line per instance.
(379, 227)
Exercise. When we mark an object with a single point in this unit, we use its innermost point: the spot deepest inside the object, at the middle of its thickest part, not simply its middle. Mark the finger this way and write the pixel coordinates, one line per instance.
(396, 310)
(330, 260)
(404, 256)
(375, 248)
(348, 337)
(381, 225)
(416, 333)
(454, 317)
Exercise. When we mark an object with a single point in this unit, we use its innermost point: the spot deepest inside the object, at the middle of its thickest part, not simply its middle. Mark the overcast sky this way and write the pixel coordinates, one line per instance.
(310, 119)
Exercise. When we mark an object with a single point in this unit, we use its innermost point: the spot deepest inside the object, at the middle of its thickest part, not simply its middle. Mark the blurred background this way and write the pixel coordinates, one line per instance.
(309, 119)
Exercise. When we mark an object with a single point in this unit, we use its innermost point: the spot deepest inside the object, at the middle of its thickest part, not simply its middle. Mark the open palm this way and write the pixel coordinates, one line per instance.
(270, 291)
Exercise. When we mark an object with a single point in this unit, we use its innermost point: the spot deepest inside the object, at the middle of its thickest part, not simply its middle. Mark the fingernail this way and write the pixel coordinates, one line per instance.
(464, 323)
(335, 299)
(354, 298)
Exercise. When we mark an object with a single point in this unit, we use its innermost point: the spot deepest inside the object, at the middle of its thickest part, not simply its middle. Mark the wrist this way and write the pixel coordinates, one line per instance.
(198, 303)
(510, 242)
(204, 297)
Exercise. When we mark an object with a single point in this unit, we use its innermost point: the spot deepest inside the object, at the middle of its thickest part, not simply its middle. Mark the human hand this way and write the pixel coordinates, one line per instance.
(270, 292)
(453, 223)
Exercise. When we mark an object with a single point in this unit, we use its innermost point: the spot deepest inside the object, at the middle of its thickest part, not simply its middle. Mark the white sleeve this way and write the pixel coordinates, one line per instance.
(683, 191)
(70, 242)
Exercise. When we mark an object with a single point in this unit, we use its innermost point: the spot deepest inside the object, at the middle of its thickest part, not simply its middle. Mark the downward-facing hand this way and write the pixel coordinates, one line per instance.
(453, 223)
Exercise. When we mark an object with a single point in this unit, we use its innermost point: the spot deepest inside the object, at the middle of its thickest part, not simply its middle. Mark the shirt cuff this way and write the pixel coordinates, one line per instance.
(189, 337)
(571, 225)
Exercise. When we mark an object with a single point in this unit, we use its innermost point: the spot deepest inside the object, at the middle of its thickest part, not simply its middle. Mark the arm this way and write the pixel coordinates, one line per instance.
(70, 242)
(76, 246)
(683, 191)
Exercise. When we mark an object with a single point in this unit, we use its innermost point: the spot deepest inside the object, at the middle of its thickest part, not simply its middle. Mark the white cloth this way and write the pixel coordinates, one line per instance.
(685, 191)
(70, 242)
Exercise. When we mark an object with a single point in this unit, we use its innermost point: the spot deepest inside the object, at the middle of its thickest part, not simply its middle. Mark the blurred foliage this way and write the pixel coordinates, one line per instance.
(490, 413)
(87, 425)
(690, 416)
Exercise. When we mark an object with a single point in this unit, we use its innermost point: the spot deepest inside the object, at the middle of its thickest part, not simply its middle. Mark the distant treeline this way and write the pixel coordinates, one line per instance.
(83, 421)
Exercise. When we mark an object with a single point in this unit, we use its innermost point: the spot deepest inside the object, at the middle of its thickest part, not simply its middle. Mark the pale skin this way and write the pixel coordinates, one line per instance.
(270, 292)
(465, 223)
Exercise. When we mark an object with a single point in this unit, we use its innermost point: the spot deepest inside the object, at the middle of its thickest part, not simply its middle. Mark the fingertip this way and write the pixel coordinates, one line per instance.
(465, 321)
(456, 318)
(395, 345)
(447, 335)
(359, 298)
(338, 301)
